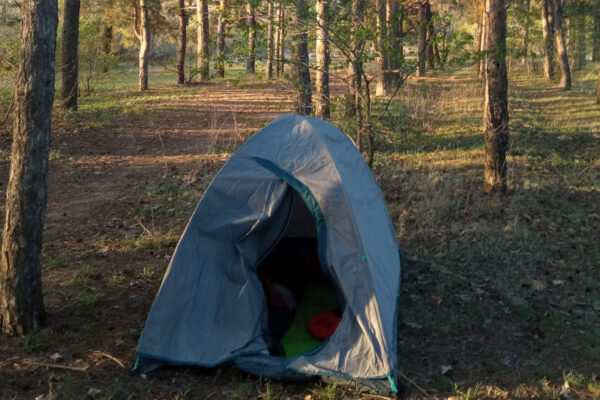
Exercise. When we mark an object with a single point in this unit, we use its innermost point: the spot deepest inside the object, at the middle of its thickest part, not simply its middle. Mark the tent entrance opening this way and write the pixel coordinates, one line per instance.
(303, 305)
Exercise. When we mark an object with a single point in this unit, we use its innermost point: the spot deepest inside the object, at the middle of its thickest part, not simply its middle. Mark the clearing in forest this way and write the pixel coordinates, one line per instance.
(500, 296)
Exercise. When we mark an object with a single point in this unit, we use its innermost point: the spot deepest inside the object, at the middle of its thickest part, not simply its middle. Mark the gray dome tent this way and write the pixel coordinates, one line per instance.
(211, 306)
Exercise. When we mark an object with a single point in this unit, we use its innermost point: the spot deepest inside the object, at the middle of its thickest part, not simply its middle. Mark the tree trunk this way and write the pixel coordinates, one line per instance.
(596, 37)
(300, 71)
(598, 87)
(524, 60)
(429, 61)
(370, 156)
(21, 300)
(280, 40)
(322, 49)
(548, 33)
(561, 47)
(422, 41)
(107, 33)
(383, 87)
(496, 99)
(394, 18)
(251, 23)
(70, 60)
(580, 42)
(221, 25)
(483, 42)
(356, 46)
(276, 66)
(182, 43)
(349, 110)
(354, 77)
(203, 38)
(270, 44)
(144, 38)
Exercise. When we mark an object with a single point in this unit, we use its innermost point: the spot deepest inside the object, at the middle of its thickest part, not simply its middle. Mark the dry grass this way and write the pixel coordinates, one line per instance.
(500, 292)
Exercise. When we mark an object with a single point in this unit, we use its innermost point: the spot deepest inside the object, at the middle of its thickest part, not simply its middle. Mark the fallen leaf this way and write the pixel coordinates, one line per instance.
(538, 285)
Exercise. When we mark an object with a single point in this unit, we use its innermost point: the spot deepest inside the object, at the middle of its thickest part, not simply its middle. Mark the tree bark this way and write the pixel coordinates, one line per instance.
(21, 300)
(580, 42)
(144, 38)
(251, 23)
(203, 38)
(548, 34)
(276, 68)
(596, 38)
(70, 60)
(182, 42)
(356, 46)
(422, 41)
(598, 87)
(323, 107)
(496, 99)
(561, 46)
(300, 71)
(107, 35)
(429, 60)
(354, 76)
(221, 25)
(270, 44)
(525, 59)
(280, 53)
(483, 42)
(383, 87)
(394, 19)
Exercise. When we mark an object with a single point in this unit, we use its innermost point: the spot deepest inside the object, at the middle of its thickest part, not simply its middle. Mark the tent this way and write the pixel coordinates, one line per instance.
(299, 177)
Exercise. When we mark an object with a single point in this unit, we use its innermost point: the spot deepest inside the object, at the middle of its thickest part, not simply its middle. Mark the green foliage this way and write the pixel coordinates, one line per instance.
(452, 44)
(92, 59)
(9, 45)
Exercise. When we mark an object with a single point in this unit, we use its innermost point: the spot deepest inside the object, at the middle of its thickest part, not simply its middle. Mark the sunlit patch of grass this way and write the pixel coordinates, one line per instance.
(328, 392)
(154, 242)
(147, 273)
(116, 279)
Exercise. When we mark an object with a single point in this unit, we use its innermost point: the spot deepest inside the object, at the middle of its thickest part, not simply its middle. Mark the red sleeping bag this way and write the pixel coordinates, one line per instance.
(323, 325)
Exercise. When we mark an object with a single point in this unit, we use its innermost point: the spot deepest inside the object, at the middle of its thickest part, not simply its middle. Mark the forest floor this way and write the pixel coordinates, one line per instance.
(500, 295)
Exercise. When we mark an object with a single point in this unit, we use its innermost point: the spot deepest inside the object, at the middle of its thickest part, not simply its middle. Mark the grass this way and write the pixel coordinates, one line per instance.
(500, 294)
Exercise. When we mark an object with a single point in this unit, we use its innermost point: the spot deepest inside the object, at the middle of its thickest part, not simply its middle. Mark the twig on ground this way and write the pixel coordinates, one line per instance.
(427, 395)
(376, 396)
(58, 366)
(146, 230)
(110, 357)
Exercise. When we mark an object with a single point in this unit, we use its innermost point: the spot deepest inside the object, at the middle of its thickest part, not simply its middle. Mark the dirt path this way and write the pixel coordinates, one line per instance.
(103, 256)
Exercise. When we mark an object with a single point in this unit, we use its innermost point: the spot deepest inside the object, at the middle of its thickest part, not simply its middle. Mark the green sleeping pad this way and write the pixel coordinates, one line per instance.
(315, 300)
